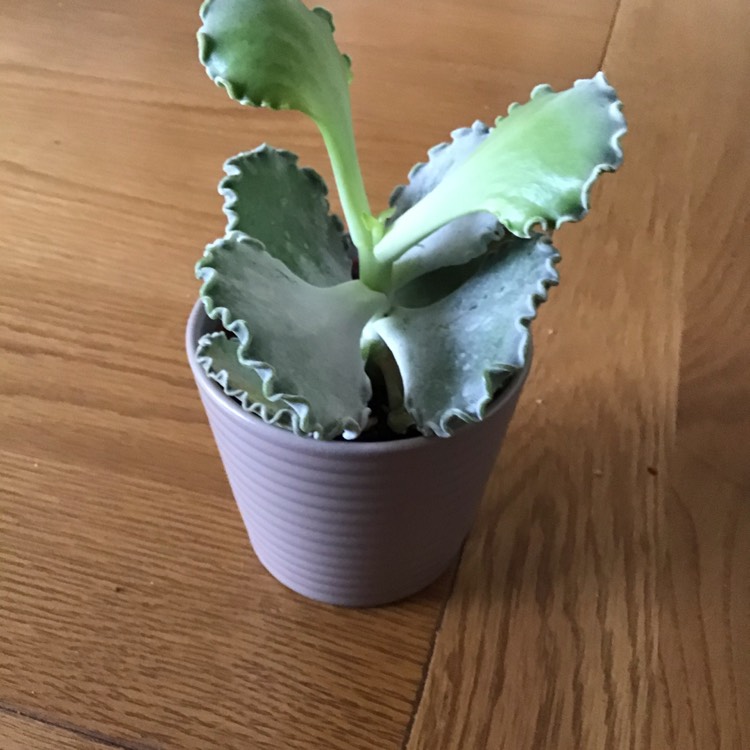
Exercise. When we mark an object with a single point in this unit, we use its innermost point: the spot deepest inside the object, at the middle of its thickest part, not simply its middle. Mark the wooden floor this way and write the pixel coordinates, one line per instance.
(603, 598)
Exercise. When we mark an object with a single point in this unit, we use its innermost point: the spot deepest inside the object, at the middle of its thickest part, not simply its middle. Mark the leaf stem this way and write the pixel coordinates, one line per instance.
(346, 171)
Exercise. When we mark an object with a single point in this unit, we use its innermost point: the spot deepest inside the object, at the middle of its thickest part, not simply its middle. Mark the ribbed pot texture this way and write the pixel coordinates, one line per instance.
(348, 523)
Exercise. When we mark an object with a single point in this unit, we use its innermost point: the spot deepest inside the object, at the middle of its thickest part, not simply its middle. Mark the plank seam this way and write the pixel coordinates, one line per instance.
(610, 34)
(428, 659)
(88, 734)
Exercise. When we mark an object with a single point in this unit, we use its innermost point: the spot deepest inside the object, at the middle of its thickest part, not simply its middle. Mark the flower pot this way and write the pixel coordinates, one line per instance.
(351, 523)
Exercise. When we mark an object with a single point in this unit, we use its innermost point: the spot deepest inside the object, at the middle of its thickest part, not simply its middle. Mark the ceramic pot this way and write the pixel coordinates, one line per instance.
(350, 523)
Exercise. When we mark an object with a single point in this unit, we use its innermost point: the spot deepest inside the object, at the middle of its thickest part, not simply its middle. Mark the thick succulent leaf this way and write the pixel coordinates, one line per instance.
(274, 53)
(534, 168)
(218, 354)
(458, 241)
(301, 340)
(268, 197)
(454, 354)
(280, 54)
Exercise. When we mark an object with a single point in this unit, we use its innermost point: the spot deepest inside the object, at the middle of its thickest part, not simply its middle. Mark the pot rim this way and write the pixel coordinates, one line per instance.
(210, 389)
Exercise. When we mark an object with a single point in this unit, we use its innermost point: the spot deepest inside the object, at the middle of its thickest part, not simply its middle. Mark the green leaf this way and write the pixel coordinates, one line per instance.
(461, 239)
(219, 356)
(274, 53)
(280, 54)
(303, 341)
(535, 168)
(268, 197)
(454, 354)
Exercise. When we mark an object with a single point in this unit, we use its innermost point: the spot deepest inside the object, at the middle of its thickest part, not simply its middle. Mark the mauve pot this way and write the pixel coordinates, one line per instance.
(349, 523)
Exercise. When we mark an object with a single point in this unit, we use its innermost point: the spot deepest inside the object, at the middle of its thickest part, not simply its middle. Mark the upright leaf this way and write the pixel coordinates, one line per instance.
(535, 167)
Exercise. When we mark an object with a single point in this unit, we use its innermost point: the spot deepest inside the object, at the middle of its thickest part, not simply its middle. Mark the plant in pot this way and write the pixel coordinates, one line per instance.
(359, 381)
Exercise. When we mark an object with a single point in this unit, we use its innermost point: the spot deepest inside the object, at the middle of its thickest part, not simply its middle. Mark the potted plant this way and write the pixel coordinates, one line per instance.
(359, 383)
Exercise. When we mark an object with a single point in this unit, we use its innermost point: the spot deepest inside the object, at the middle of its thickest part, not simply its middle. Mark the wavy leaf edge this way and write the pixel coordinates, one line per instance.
(284, 417)
(609, 165)
(497, 376)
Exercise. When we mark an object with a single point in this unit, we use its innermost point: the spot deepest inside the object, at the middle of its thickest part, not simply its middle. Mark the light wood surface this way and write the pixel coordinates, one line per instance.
(602, 600)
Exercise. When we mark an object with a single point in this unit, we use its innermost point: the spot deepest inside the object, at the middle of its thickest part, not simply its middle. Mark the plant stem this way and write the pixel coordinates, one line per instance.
(346, 171)
(373, 273)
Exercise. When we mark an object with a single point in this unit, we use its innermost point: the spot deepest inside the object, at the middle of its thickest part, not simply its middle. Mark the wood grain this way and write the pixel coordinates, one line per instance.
(132, 609)
(704, 654)
(603, 600)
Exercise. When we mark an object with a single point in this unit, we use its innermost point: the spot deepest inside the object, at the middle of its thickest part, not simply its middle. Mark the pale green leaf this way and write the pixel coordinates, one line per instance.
(301, 340)
(535, 168)
(454, 354)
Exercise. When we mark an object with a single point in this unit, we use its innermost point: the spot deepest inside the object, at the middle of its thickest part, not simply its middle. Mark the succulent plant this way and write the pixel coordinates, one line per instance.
(430, 300)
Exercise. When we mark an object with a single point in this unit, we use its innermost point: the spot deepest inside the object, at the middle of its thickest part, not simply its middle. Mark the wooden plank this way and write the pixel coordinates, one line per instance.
(602, 601)
(22, 733)
(714, 403)
(705, 638)
(704, 649)
(131, 603)
(138, 608)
